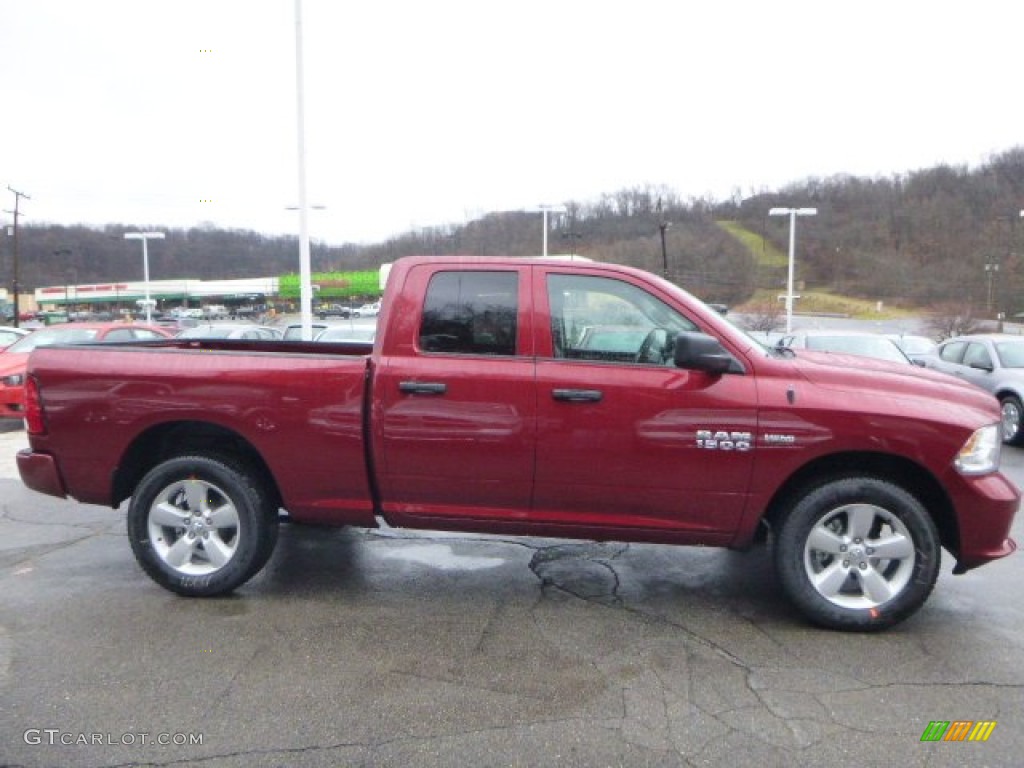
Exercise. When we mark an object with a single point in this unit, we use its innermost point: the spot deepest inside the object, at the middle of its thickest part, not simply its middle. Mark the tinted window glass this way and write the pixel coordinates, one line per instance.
(470, 313)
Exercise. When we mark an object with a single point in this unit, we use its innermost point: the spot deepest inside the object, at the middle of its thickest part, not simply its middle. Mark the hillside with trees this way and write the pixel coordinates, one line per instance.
(926, 238)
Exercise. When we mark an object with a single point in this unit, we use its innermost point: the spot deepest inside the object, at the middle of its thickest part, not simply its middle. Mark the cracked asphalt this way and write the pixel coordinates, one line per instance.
(394, 648)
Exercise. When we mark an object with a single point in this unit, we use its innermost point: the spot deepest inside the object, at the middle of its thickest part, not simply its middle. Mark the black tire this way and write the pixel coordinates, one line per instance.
(828, 554)
(208, 554)
(1013, 411)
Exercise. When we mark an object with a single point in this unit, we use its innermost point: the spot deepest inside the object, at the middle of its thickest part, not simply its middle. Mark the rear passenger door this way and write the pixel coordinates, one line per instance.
(455, 399)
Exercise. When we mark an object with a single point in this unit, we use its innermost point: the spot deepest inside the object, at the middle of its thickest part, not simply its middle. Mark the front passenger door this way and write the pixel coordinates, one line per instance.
(625, 439)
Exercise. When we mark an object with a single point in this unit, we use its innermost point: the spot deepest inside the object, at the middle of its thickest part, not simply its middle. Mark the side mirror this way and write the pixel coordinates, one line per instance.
(700, 352)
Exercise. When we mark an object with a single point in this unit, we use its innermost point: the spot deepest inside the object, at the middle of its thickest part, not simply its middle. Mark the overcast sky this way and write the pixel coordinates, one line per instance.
(427, 112)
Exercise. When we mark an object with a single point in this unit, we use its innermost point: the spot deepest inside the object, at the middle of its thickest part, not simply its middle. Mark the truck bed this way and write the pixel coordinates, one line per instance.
(297, 405)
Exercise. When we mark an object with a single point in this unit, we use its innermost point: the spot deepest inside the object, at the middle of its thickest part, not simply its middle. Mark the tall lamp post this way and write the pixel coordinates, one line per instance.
(792, 213)
(545, 208)
(145, 237)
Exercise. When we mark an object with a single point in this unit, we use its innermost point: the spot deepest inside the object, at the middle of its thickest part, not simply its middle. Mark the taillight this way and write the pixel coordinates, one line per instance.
(35, 423)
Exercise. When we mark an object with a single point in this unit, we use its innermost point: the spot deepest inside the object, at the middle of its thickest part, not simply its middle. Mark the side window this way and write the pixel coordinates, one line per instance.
(977, 356)
(119, 334)
(953, 351)
(609, 320)
(471, 313)
(142, 333)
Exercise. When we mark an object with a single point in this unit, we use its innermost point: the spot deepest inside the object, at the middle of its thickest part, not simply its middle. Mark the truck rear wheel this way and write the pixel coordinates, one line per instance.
(201, 525)
(858, 553)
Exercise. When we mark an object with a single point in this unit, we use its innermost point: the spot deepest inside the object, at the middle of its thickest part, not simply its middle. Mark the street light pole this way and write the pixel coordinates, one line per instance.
(546, 208)
(305, 271)
(792, 213)
(145, 237)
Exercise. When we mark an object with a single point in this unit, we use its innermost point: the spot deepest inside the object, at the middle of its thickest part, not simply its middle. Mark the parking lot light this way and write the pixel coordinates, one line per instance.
(792, 213)
(145, 237)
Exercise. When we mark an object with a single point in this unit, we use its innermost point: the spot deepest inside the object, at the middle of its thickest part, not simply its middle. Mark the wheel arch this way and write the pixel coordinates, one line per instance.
(164, 441)
(898, 470)
(1004, 390)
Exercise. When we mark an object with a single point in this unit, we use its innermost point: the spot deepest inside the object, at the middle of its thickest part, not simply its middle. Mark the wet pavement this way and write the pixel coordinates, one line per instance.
(396, 648)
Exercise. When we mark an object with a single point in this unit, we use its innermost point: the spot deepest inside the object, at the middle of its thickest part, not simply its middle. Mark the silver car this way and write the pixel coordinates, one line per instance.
(994, 362)
(861, 343)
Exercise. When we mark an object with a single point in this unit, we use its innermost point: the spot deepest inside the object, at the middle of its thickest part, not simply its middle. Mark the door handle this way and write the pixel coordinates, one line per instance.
(578, 395)
(422, 387)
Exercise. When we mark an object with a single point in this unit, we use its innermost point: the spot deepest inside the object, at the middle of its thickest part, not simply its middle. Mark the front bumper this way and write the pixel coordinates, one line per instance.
(986, 506)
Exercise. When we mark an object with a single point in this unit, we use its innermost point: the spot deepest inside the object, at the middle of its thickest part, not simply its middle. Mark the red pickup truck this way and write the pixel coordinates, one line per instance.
(533, 397)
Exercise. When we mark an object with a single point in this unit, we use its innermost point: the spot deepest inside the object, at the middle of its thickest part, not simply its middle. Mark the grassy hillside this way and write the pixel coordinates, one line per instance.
(764, 253)
(823, 303)
(812, 301)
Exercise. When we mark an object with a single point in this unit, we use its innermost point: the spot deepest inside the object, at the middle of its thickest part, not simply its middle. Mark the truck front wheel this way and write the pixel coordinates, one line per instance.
(857, 553)
(201, 525)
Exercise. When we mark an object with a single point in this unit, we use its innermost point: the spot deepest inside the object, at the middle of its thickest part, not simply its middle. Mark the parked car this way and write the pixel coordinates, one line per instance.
(14, 359)
(367, 310)
(914, 347)
(230, 331)
(9, 335)
(861, 343)
(342, 333)
(994, 362)
(333, 310)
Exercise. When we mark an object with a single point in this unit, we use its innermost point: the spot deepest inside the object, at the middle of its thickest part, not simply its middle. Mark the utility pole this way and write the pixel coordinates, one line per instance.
(14, 266)
(662, 226)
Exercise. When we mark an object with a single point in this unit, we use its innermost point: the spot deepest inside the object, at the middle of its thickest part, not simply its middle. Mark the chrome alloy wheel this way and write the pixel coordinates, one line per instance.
(859, 556)
(193, 527)
(1011, 419)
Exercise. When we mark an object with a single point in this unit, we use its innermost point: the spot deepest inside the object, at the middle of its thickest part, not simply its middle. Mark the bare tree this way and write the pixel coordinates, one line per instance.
(765, 316)
(952, 319)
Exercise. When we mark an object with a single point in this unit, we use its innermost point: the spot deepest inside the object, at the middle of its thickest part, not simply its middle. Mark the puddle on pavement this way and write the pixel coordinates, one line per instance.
(442, 557)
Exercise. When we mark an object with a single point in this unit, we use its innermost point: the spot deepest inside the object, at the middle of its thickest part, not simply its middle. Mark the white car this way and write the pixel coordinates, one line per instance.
(367, 310)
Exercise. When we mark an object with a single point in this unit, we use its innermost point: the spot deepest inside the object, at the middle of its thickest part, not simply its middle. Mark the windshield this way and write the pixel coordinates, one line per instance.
(47, 336)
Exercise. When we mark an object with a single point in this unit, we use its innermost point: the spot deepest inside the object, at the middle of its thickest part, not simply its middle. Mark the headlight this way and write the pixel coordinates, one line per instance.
(14, 381)
(980, 454)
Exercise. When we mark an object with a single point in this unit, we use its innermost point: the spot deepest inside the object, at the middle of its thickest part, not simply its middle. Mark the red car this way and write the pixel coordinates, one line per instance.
(14, 358)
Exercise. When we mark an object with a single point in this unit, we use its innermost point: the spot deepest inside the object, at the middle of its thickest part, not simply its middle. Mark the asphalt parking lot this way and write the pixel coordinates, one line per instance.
(356, 648)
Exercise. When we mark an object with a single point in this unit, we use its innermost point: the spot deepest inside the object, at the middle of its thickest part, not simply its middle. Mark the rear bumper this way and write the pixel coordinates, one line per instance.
(39, 472)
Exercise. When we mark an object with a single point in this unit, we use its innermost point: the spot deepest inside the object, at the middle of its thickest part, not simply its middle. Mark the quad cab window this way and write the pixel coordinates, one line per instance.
(472, 313)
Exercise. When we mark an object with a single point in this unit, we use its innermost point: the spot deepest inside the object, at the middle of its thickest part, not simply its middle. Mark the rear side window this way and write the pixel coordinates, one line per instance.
(472, 313)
